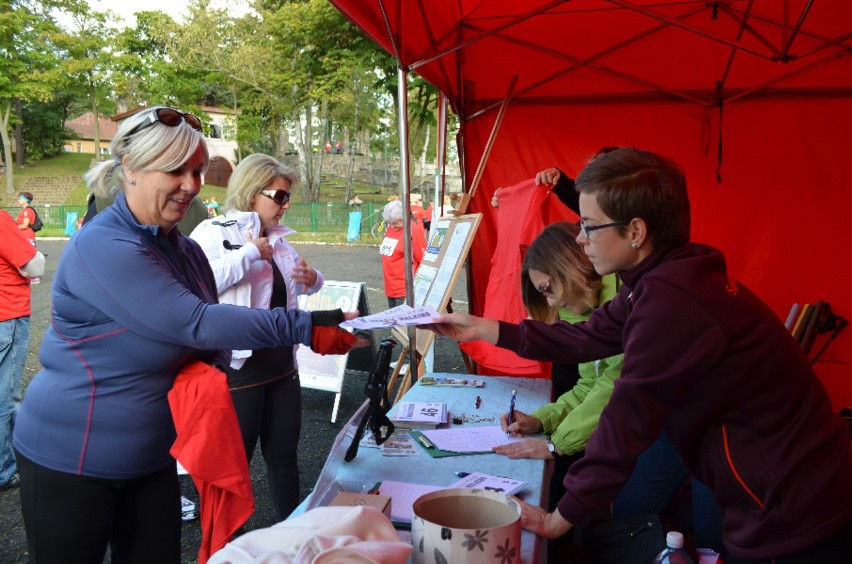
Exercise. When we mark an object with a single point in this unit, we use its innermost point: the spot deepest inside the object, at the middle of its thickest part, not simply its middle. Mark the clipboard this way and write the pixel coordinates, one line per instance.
(446, 255)
(435, 452)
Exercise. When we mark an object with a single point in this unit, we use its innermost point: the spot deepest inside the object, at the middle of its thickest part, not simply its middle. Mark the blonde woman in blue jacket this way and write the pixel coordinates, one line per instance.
(255, 266)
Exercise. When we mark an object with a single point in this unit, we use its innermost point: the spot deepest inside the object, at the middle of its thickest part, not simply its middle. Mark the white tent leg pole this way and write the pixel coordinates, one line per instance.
(402, 122)
(438, 199)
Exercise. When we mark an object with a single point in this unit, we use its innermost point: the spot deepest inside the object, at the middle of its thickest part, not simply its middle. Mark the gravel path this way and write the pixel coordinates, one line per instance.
(337, 262)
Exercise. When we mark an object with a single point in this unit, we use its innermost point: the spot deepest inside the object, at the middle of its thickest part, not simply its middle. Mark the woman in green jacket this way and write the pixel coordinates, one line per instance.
(559, 282)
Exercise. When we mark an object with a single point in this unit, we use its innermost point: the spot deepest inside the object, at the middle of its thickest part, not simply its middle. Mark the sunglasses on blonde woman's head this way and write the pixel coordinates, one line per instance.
(280, 197)
(167, 116)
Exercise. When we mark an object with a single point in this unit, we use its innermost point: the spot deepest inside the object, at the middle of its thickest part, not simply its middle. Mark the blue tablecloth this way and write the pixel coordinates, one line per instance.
(369, 466)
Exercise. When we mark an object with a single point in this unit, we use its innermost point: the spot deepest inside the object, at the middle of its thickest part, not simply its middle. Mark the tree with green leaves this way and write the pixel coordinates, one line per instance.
(331, 65)
(291, 65)
(89, 61)
(44, 133)
(26, 64)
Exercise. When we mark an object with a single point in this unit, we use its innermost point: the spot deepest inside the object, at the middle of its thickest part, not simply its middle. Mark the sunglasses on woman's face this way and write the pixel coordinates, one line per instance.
(280, 197)
(167, 116)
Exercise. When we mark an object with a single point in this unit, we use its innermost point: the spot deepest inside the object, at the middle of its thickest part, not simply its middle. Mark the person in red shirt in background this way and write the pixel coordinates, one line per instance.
(26, 217)
(417, 211)
(19, 262)
(392, 250)
(25, 220)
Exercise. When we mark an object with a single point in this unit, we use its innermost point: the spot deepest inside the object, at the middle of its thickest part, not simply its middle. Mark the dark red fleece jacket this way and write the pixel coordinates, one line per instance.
(711, 364)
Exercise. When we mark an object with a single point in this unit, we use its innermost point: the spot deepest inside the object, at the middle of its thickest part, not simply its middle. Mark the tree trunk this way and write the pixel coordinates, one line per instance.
(317, 180)
(7, 148)
(20, 146)
(239, 154)
(424, 176)
(364, 141)
(347, 147)
(283, 141)
(97, 122)
(303, 146)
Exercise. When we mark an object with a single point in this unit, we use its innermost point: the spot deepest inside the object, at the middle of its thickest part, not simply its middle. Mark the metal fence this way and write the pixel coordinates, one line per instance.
(325, 217)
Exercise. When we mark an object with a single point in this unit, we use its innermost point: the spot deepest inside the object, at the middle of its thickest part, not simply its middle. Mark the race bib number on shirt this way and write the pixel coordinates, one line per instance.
(388, 246)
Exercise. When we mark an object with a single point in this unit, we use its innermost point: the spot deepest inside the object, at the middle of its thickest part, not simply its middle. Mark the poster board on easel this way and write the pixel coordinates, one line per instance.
(446, 253)
(326, 372)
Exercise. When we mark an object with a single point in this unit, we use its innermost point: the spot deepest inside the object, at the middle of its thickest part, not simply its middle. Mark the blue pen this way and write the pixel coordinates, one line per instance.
(511, 413)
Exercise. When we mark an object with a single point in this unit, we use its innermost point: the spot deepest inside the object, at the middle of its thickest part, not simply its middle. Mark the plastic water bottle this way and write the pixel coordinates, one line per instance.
(674, 552)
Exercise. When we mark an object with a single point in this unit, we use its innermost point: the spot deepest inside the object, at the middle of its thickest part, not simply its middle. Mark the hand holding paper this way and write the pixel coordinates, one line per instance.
(402, 315)
(328, 338)
(464, 327)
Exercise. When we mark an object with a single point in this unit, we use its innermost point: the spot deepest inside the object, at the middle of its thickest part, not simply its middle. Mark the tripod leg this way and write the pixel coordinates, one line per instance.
(352, 451)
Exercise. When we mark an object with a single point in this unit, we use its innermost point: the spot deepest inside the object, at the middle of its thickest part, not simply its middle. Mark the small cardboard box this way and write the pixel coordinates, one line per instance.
(380, 502)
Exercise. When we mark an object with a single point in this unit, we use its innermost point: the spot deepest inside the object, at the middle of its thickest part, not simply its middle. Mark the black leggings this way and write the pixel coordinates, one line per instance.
(273, 413)
(72, 518)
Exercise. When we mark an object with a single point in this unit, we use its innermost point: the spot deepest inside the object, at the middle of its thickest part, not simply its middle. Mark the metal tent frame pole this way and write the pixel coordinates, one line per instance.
(405, 182)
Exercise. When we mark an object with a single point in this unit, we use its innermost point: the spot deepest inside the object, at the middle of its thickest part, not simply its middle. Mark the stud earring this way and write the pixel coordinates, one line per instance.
(132, 182)
(634, 245)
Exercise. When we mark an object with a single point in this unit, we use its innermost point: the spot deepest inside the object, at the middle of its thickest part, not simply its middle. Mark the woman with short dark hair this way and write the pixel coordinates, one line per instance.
(706, 361)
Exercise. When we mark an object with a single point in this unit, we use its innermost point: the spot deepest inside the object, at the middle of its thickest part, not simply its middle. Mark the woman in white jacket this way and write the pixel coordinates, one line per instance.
(255, 266)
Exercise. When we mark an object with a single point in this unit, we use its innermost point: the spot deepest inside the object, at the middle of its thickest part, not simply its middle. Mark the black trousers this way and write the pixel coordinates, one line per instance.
(835, 549)
(273, 413)
(70, 518)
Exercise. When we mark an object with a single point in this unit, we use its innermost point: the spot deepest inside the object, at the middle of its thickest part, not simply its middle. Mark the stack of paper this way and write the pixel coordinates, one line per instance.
(403, 495)
(420, 415)
(499, 484)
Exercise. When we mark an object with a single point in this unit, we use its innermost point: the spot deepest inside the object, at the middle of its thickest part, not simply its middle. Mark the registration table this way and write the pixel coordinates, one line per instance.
(370, 466)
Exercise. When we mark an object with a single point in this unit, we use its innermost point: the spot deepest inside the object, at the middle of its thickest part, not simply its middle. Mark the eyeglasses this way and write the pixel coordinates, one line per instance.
(280, 197)
(587, 230)
(546, 288)
(167, 116)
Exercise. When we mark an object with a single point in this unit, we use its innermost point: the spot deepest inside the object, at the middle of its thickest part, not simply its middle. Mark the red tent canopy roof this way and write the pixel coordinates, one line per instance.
(699, 50)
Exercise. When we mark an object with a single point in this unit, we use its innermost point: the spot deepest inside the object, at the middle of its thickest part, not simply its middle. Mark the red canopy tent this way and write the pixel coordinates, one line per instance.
(752, 97)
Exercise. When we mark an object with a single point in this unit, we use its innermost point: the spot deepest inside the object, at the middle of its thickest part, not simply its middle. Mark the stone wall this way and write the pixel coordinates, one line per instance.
(49, 189)
(382, 174)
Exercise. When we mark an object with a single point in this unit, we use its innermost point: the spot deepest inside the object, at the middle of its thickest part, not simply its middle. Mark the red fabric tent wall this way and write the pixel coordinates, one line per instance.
(780, 214)
(653, 73)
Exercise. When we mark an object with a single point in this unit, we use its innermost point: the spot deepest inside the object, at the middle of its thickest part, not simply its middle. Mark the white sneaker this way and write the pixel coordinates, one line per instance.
(187, 509)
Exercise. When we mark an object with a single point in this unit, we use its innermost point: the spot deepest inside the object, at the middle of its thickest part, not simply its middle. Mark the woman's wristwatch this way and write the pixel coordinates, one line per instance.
(551, 448)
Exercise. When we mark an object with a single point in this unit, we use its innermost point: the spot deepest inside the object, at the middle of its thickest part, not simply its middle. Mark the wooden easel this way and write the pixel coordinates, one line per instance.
(407, 380)
(433, 285)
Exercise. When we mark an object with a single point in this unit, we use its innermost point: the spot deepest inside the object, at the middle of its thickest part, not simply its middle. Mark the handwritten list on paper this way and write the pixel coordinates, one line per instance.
(469, 438)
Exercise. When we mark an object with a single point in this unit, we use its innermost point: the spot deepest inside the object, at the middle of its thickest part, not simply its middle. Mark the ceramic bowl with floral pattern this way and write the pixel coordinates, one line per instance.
(466, 525)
